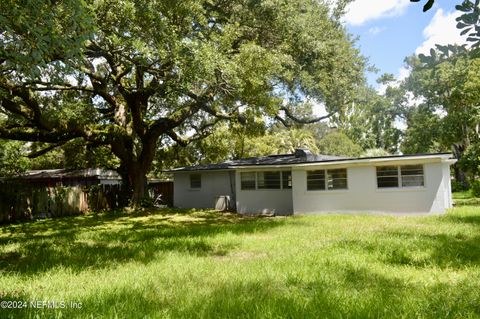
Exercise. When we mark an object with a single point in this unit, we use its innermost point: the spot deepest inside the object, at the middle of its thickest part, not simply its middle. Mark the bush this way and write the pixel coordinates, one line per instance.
(475, 188)
(458, 187)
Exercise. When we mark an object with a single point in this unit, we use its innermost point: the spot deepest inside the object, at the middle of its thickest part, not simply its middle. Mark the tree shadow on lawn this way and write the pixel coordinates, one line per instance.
(465, 219)
(102, 241)
(441, 250)
(412, 248)
(353, 292)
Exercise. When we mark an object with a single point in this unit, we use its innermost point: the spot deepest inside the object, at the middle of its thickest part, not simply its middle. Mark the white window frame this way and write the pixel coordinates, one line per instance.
(281, 173)
(399, 177)
(326, 179)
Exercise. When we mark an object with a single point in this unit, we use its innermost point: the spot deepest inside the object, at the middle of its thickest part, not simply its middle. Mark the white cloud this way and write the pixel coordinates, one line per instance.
(361, 11)
(401, 75)
(441, 30)
(318, 108)
(376, 30)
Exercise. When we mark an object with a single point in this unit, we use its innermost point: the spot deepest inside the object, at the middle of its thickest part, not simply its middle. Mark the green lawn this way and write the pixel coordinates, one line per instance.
(465, 198)
(209, 265)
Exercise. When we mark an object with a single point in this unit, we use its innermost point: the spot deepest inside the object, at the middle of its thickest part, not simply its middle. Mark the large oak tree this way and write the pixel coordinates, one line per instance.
(140, 75)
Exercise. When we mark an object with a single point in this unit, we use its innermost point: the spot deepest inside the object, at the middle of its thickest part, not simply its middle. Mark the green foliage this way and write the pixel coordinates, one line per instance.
(458, 187)
(428, 5)
(424, 129)
(139, 77)
(280, 141)
(35, 32)
(470, 161)
(77, 154)
(468, 22)
(448, 115)
(204, 264)
(475, 188)
(73, 155)
(370, 120)
(375, 152)
(12, 158)
(235, 141)
(337, 143)
(51, 160)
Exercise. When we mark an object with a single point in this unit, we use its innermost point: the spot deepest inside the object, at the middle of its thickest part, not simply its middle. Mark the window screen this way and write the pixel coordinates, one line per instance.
(268, 180)
(316, 180)
(387, 176)
(195, 181)
(412, 175)
(337, 178)
(400, 176)
(247, 181)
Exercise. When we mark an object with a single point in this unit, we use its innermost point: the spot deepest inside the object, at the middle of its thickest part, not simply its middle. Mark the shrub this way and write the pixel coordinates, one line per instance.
(458, 187)
(475, 188)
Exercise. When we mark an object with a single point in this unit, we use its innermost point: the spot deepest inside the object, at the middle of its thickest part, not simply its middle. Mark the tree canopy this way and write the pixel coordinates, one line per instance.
(140, 76)
(448, 116)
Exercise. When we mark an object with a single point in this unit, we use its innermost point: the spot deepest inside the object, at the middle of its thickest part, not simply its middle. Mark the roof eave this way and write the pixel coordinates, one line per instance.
(440, 157)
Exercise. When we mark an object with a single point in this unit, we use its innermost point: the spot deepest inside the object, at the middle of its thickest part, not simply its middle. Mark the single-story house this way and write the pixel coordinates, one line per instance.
(303, 183)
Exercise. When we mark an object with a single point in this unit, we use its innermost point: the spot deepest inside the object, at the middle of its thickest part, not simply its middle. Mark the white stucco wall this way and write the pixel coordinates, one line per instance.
(363, 195)
(214, 184)
(277, 201)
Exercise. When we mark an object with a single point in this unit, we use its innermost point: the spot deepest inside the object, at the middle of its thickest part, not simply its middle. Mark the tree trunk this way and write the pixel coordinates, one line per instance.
(134, 184)
(137, 180)
(460, 175)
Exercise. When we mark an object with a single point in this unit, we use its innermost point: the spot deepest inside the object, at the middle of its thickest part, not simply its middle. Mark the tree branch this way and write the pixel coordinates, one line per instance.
(177, 139)
(35, 116)
(45, 150)
(29, 135)
(303, 121)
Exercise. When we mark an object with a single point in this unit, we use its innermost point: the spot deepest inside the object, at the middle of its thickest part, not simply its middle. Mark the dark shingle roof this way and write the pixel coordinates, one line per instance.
(283, 159)
(300, 157)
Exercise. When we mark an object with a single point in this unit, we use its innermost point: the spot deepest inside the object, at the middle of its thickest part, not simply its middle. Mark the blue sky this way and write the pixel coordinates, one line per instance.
(390, 30)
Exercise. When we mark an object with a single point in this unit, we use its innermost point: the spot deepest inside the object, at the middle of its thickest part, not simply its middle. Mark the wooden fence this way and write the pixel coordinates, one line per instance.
(162, 190)
(25, 202)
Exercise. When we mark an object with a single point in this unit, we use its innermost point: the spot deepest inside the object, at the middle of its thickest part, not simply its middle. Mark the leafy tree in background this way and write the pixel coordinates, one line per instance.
(338, 143)
(235, 142)
(281, 141)
(424, 130)
(471, 160)
(375, 152)
(142, 76)
(12, 158)
(450, 113)
(370, 120)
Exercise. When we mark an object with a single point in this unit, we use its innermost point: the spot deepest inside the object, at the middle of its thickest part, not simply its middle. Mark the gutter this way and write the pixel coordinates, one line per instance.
(443, 158)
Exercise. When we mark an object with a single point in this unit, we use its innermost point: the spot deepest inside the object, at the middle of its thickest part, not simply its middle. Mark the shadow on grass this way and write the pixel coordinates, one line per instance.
(466, 219)
(412, 248)
(440, 250)
(107, 240)
(353, 292)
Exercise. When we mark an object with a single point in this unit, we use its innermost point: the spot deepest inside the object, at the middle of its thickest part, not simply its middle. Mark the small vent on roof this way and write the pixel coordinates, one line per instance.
(303, 153)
